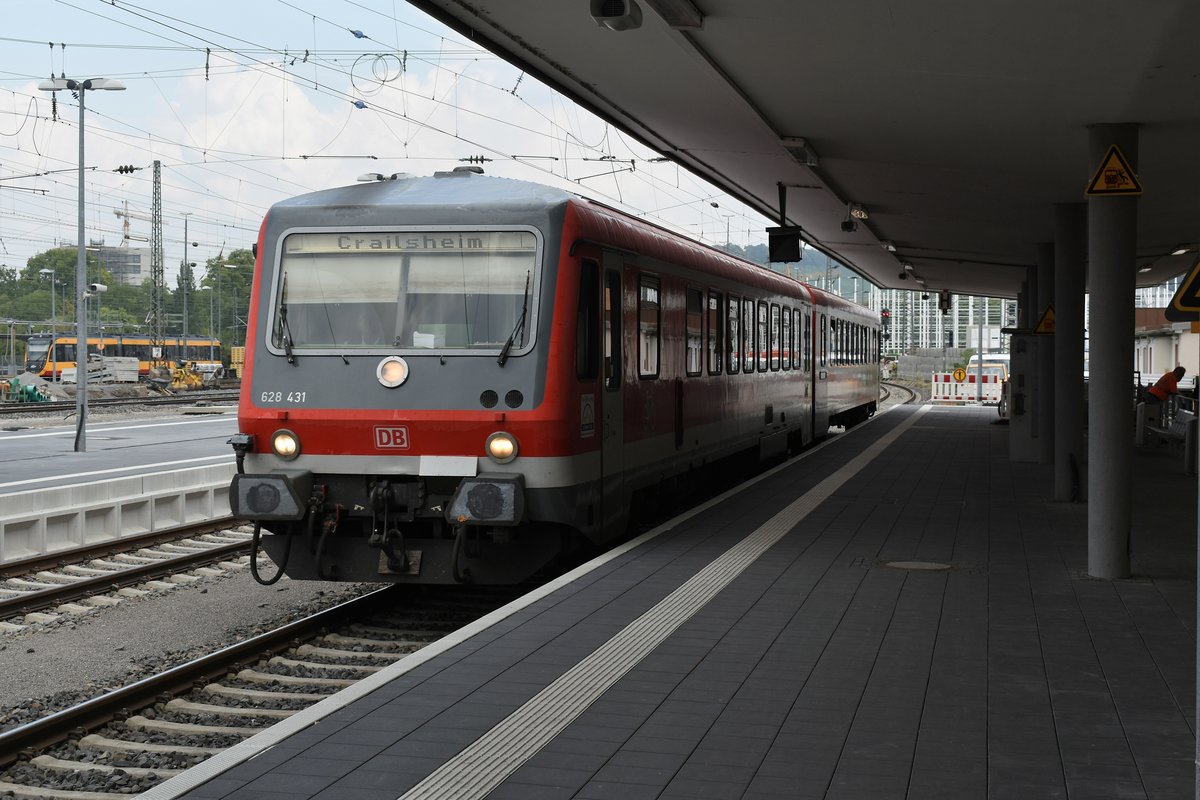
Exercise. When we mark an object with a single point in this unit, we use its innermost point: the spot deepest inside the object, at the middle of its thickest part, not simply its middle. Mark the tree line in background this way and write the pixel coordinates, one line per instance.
(25, 298)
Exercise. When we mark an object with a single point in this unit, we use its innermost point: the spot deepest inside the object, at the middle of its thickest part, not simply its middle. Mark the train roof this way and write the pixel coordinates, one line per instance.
(462, 187)
(466, 188)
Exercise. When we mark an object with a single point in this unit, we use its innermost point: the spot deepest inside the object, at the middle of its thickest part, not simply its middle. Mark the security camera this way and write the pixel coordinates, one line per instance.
(849, 226)
(97, 288)
(925, 296)
(903, 276)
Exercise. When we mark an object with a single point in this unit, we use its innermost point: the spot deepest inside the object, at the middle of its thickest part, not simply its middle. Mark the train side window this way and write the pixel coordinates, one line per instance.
(649, 318)
(798, 331)
(808, 342)
(734, 335)
(694, 357)
(612, 329)
(823, 344)
(776, 342)
(587, 331)
(747, 335)
(789, 345)
(764, 341)
(714, 330)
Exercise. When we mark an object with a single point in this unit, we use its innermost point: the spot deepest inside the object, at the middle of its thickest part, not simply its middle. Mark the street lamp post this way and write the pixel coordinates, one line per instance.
(81, 88)
(53, 322)
(185, 275)
(210, 321)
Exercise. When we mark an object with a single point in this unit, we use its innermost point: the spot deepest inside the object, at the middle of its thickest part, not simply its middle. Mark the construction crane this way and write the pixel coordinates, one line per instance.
(125, 214)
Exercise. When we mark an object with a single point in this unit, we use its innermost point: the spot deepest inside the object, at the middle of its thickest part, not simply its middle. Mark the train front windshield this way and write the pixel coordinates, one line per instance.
(36, 353)
(445, 290)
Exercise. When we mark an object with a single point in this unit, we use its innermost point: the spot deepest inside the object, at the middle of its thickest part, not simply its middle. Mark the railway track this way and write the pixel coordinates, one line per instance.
(67, 406)
(82, 581)
(133, 738)
(904, 394)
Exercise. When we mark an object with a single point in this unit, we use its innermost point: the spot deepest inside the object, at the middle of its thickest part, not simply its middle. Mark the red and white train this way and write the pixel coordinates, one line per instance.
(459, 377)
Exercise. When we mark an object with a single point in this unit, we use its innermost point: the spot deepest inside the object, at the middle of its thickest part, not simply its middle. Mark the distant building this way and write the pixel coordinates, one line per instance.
(128, 265)
(914, 320)
(1160, 345)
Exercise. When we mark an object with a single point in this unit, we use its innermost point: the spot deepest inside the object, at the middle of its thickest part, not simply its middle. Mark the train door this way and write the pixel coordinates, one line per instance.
(820, 373)
(802, 363)
(615, 501)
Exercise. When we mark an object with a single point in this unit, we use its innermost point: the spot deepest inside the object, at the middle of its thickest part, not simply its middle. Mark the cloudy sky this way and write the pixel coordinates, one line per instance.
(246, 103)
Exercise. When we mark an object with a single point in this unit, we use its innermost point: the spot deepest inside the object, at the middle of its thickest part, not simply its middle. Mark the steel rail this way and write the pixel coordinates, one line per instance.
(42, 599)
(22, 742)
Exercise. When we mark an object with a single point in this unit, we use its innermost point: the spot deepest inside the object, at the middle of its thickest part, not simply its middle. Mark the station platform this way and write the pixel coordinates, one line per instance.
(901, 612)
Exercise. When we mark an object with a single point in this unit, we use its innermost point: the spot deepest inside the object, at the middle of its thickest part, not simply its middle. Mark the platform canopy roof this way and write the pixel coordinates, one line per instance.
(956, 127)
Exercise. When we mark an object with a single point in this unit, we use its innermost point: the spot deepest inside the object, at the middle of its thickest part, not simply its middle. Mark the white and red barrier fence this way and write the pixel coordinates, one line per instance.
(964, 387)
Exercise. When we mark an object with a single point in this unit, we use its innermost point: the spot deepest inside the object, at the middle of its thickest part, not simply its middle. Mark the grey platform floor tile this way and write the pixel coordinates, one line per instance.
(687, 789)
(1082, 789)
(602, 790)
(515, 790)
(1168, 787)
(291, 784)
(542, 775)
(355, 793)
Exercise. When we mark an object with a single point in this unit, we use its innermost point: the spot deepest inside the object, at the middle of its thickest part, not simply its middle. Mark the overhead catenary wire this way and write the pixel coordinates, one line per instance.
(225, 160)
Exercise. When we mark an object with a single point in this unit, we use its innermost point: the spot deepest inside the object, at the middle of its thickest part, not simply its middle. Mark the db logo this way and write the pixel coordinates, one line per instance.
(393, 437)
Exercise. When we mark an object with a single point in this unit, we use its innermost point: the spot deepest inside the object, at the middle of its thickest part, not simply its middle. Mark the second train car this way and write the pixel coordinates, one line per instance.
(459, 377)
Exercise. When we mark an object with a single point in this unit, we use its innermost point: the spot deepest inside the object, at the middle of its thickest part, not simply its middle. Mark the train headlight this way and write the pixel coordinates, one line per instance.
(285, 444)
(501, 447)
(392, 371)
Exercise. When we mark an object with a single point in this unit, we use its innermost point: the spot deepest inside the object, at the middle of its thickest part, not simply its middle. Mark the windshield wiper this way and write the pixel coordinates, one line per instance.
(512, 337)
(285, 332)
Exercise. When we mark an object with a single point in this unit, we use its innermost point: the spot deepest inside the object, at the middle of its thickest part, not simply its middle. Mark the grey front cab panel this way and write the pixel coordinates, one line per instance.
(439, 380)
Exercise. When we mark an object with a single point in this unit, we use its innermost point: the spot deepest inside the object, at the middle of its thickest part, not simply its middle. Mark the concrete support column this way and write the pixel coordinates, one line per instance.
(1070, 257)
(1022, 411)
(1112, 239)
(1045, 356)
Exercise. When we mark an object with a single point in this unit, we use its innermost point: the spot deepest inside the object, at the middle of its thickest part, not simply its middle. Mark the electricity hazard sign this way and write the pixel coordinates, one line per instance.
(1114, 177)
(1046, 323)
(1185, 305)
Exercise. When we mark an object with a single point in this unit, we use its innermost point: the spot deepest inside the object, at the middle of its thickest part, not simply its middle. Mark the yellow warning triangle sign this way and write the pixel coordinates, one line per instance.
(1114, 177)
(1185, 305)
(1046, 323)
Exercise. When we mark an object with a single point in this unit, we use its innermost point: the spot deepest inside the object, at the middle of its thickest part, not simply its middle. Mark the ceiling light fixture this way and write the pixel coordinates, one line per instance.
(616, 15)
(859, 211)
(802, 150)
(1146, 267)
(1183, 248)
(679, 14)
(887, 245)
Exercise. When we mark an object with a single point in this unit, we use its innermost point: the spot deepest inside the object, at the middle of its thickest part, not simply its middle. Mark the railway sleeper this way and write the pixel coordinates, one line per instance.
(60, 577)
(316, 666)
(62, 765)
(329, 652)
(140, 723)
(261, 694)
(360, 641)
(38, 793)
(254, 676)
(178, 706)
(95, 741)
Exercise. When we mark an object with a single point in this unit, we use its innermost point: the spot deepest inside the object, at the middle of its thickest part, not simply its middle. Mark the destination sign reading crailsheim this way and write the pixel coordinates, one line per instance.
(411, 242)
